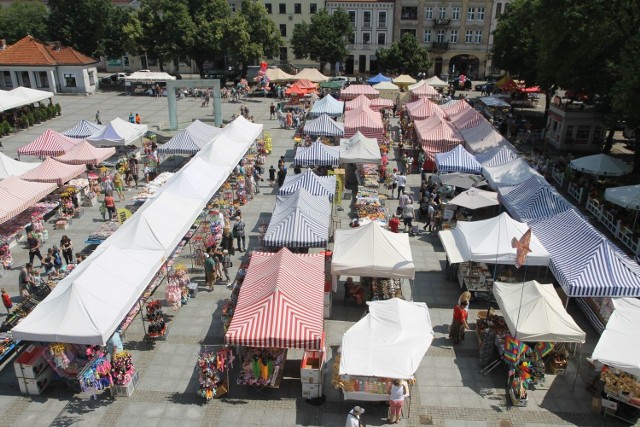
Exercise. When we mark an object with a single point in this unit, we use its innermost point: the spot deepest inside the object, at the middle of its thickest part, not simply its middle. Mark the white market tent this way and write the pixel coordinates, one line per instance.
(371, 251)
(311, 74)
(489, 241)
(512, 173)
(11, 167)
(618, 345)
(276, 75)
(191, 139)
(475, 198)
(146, 76)
(600, 164)
(30, 96)
(118, 133)
(435, 81)
(627, 196)
(360, 149)
(8, 101)
(327, 105)
(534, 313)
(389, 342)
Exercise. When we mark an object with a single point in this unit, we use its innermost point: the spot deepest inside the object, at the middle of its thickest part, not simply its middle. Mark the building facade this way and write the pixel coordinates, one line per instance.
(499, 7)
(575, 126)
(373, 29)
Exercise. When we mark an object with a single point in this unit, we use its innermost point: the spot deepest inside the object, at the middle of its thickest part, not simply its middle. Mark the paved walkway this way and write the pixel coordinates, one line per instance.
(448, 384)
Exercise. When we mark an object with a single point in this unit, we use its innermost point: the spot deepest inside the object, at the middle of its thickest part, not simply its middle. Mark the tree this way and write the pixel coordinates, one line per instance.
(405, 56)
(24, 17)
(81, 24)
(264, 36)
(122, 33)
(325, 39)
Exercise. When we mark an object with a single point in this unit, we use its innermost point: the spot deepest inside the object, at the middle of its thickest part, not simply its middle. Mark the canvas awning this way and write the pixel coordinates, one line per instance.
(600, 164)
(474, 198)
(84, 129)
(191, 139)
(280, 302)
(311, 74)
(435, 81)
(352, 91)
(533, 199)
(364, 120)
(466, 118)
(619, 344)
(10, 167)
(483, 138)
(494, 102)
(29, 95)
(358, 101)
(386, 86)
(54, 171)
(393, 330)
(404, 80)
(424, 90)
(627, 196)
(534, 313)
(457, 160)
(423, 108)
(378, 79)
(86, 154)
(327, 105)
(360, 149)
(276, 75)
(323, 126)
(50, 143)
(16, 195)
(146, 76)
(314, 184)
(378, 104)
(497, 156)
(317, 154)
(437, 135)
(512, 173)
(118, 132)
(8, 101)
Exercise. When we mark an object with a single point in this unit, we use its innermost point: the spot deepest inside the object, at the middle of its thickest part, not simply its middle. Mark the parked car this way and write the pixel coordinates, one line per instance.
(455, 81)
(339, 79)
(486, 87)
(114, 78)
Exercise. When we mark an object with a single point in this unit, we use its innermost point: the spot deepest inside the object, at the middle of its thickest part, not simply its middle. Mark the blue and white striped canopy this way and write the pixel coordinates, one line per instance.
(299, 220)
(84, 129)
(191, 139)
(318, 154)
(533, 199)
(314, 184)
(497, 157)
(457, 160)
(584, 261)
(327, 105)
(323, 126)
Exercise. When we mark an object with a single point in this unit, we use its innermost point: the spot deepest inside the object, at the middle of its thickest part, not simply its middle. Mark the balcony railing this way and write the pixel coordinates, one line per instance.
(440, 46)
(367, 46)
(440, 22)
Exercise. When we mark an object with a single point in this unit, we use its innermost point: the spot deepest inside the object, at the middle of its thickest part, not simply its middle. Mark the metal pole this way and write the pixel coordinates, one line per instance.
(144, 328)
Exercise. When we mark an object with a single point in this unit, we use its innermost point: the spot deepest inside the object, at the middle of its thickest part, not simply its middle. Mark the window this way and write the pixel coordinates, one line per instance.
(352, 16)
(440, 36)
(478, 38)
(92, 77)
(455, 14)
(428, 13)
(366, 37)
(382, 19)
(268, 7)
(70, 80)
(468, 36)
(366, 19)
(453, 38)
(283, 54)
(409, 12)
(42, 79)
(582, 134)
(24, 77)
(313, 8)
(471, 14)
(283, 30)
(282, 8)
(297, 8)
(7, 79)
(597, 134)
(382, 39)
(427, 36)
(404, 31)
(443, 13)
(498, 9)
(125, 61)
(233, 7)
(480, 15)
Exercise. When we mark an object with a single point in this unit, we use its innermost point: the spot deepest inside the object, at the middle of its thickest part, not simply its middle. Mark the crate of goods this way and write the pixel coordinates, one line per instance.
(31, 362)
(557, 364)
(311, 391)
(127, 390)
(311, 367)
(35, 386)
(62, 224)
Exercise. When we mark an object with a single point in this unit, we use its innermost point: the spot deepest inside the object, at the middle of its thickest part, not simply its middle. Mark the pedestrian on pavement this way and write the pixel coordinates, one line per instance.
(394, 224)
(110, 205)
(226, 263)
(407, 215)
(98, 117)
(66, 245)
(353, 418)
(459, 323)
(33, 243)
(209, 271)
(272, 111)
(26, 281)
(282, 174)
(133, 169)
(227, 240)
(396, 400)
(6, 300)
(402, 183)
(394, 181)
(138, 119)
(118, 185)
(431, 210)
(272, 176)
(132, 118)
(238, 232)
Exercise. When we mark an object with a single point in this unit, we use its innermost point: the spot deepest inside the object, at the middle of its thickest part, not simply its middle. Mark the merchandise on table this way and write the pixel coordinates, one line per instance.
(103, 232)
(13, 230)
(262, 367)
(6, 259)
(476, 277)
(149, 190)
(213, 367)
(22, 309)
(382, 288)
(7, 344)
(621, 385)
(122, 368)
(368, 175)
(177, 287)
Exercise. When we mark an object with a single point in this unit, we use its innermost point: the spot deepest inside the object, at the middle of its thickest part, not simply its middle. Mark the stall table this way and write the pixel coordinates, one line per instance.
(475, 277)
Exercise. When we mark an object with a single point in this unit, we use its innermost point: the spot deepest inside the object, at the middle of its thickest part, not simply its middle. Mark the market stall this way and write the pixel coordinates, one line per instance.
(424, 90)
(53, 171)
(11, 167)
(353, 91)
(280, 306)
(327, 105)
(276, 75)
(86, 154)
(388, 343)
(533, 199)
(372, 251)
(508, 174)
(465, 117)
(323, 126)
(484, 138)
(496, 156)
(457, 160)
(50, 143)
(423, 108)
(387, 90)
(380, 104)
(360, 149)
(600, 164)
(311, 74)
(118, 132)
(314, 184)
(403, 81)
(437, 135)
(436, 82)
(83, 129)
(366, 121)
(16, 195)
(317, 154)
(358, 101)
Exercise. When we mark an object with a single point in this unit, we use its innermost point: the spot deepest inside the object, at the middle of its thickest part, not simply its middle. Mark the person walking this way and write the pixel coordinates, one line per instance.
(431, 210)
(459, 323)
(407, 215)
(133, 169)
(394, 181)
(118, 184)
(272, 111)
(238, 232)
(98, 117)
(226, 263)
(396, 400)
(282, 175)
(66, 245)
(25, 280)
(6, 300)
(132, 118)
(209, 271)
(227, 241)
(353, 417)
(402, 183)
(33, 243)
(110, 205)
(138, 119)
(272, 176)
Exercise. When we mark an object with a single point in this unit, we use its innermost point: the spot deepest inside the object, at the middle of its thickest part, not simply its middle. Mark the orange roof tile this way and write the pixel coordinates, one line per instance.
(30, 51)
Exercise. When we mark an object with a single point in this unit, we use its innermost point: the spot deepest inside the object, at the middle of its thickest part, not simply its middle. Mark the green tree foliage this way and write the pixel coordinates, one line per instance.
(24, 17)
(405, 56)
(264, 36)
(81, 24)
(324, 39)
(123, 32)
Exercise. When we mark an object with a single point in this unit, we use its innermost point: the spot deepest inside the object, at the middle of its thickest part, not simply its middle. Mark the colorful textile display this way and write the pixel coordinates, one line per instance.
(212, 366)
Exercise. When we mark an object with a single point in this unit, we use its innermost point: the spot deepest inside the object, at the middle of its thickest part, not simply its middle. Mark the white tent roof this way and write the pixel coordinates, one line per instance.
(435, 81)
(29, 96)
(389, 342)
(360, 149)
(489, 241)
(9, 101)
(372, 251)
(512, 173)
(627, 196)
(385, 86)
(11, 167)
(534, 313)
(146, 76)
(311, 74)
(475, 198)
(118, 132)
(619, 344)
(601, 164)
(243, 130)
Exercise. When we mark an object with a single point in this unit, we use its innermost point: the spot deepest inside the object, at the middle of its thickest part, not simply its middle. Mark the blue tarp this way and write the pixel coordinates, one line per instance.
(378, 79)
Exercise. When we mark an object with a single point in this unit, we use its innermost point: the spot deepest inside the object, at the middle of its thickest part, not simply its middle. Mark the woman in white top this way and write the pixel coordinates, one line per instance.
(396, 400)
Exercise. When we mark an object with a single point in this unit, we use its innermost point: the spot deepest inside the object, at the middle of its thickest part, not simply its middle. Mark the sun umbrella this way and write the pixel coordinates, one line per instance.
(627, 196)
(475, 199)
(462, 180)
(600, 164)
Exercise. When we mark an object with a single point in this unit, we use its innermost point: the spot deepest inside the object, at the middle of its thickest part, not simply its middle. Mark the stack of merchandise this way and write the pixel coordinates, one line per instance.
(368, 175)
(97, 376)
(368, 206)
(69, 360)
(12, 230)
(122, 368)
(6, 259)
(383, 288)
(262, 366)
(213, 366)
(157, 327)
(621, 385)
(7, 344)
(177, 286)
(149, 190)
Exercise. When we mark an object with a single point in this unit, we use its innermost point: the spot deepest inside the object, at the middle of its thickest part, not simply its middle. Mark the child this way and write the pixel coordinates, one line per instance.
(6, 300)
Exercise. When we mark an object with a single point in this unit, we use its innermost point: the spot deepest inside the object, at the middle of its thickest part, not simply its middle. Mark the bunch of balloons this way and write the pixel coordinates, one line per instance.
(262, 79)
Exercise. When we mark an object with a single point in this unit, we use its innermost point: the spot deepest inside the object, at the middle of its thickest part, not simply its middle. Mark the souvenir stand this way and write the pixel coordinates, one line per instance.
(393, 330)
(214, 364)
(149, 190)
(617, 350)
(540, 332)
(284, 287)
(379, 257)
(15, 229)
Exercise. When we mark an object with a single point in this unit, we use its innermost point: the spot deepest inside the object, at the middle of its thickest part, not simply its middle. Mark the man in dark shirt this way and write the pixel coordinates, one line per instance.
(33, 243)
(282, 174)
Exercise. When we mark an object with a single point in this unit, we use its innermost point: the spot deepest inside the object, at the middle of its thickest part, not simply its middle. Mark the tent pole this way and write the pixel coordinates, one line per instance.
(575, 377)
(144, 328)
(566, 304)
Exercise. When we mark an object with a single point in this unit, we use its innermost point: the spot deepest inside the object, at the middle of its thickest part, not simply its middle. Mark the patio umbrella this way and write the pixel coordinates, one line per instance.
(462, 180)
(627, 196)
(475, 199)
(600, 164)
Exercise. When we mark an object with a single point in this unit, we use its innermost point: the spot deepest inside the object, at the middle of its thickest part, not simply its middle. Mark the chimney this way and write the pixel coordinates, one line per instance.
(3, 44)
(55, 45)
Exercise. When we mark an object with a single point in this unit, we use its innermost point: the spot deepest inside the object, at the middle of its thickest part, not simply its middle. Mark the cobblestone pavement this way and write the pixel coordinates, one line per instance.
(448, 386)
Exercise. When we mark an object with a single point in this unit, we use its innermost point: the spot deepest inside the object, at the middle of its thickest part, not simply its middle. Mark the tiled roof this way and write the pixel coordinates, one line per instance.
(30, 51)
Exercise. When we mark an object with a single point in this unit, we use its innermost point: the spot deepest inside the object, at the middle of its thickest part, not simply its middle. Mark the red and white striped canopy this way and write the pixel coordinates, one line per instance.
(86, 154)
(353, 91)
(455, 106)
(50, 143)
(365, 120)
(53, 171)
(358, 101)
(380, 103)
(16, 195)
(437, 136)
(466, 118)
(281, 302)
(424, 90)
(423, 108)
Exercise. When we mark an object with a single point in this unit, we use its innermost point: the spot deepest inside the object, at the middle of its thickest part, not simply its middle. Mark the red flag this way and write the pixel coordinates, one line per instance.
(522, 248)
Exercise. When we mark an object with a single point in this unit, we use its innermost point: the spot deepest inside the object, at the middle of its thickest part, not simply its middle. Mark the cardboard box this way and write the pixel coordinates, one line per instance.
(31, 362)
(61, 225)
(311, 368)
(128, 389)
(310, 391)
(36, 386)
